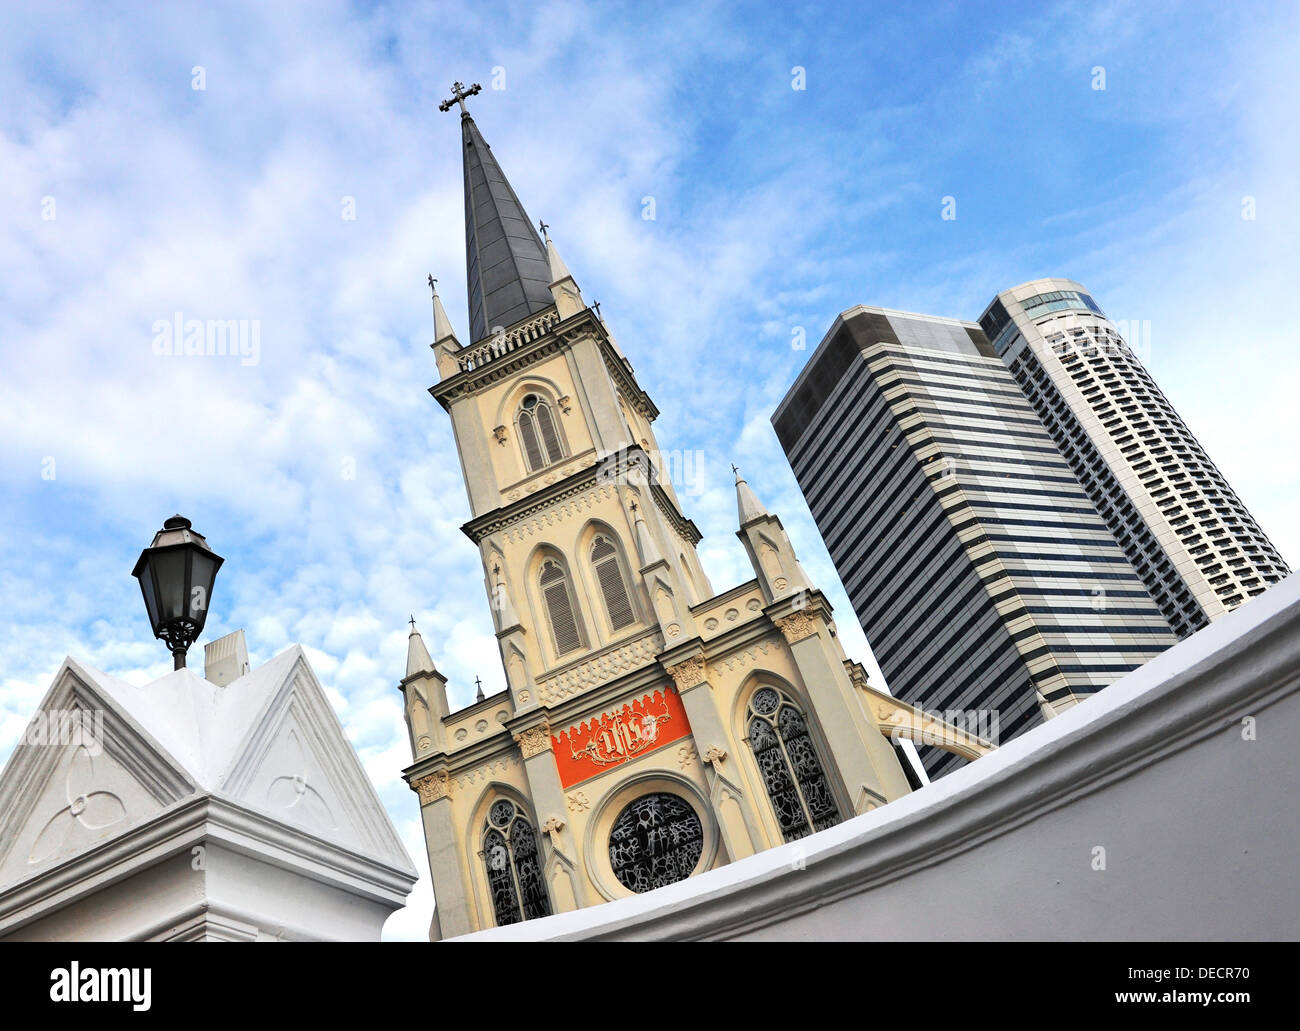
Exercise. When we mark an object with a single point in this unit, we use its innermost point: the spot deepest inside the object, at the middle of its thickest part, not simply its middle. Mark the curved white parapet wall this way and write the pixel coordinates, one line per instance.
(1162, 808)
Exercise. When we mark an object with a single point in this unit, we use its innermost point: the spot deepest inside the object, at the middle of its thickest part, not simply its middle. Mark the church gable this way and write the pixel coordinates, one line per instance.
(82, 774)
(297, 765)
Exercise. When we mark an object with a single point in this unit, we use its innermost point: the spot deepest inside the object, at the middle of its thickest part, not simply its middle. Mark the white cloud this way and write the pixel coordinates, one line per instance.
(773, 210)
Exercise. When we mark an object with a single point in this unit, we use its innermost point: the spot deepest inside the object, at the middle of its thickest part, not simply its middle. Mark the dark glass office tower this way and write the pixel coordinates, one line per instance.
(981, 572)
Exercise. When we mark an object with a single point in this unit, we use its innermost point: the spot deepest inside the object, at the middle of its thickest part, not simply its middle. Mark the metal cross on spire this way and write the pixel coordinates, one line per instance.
(544, 227)
(433, 284)
(478, 684)
(458, 95)
(412, 623)
(734, 470)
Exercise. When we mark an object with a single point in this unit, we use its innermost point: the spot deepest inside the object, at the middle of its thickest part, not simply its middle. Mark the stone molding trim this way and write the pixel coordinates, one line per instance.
(597, 669)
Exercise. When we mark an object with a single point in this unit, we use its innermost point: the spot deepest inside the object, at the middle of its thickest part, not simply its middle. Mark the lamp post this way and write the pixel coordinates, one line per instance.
(176, 573)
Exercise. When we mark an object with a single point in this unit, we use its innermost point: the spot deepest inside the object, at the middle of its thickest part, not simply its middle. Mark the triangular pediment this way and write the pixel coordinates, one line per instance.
(297, 765)
(83, 773)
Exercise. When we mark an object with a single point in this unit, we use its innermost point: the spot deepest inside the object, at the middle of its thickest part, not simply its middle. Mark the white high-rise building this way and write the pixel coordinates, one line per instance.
(1188, 535)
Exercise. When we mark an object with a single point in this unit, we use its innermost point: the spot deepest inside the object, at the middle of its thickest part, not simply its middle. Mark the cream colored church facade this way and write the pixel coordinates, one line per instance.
(652, 728)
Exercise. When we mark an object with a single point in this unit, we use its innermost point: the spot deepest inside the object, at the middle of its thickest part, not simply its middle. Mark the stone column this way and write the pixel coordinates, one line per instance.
(451, 888)
(564, 877)
(867, 766)
(739, 830)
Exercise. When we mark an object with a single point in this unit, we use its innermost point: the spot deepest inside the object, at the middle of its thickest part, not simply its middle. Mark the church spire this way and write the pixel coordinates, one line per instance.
(445, 345)
(568, 298)
(418, 659)
(442, 331)
(747, 504)
(508, 274)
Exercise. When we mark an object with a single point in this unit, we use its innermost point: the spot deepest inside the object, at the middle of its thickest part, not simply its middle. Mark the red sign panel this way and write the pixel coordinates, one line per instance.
(617, 737)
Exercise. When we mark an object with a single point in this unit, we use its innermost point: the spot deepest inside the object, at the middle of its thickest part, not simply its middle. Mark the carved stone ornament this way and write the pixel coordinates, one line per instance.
(500, 434)
(797, 626)
(578, 802)
(553, 826)
(432, 787)
(689, 673)
(714, 755)
(534, 740)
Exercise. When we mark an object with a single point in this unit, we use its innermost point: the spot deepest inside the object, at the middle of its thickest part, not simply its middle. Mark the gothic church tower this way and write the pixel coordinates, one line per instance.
(651, 728)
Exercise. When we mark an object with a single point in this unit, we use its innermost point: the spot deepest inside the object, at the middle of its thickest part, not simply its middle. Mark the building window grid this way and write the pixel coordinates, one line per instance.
(1112, 362)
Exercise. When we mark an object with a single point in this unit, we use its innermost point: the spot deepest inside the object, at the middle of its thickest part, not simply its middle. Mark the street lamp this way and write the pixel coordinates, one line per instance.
(176, 574)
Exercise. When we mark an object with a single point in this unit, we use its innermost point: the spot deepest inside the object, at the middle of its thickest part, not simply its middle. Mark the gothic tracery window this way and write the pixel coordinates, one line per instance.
(556, 593)
(613, 587)
(657, 839)
(791, 770)
(514, 867)
(538, 433)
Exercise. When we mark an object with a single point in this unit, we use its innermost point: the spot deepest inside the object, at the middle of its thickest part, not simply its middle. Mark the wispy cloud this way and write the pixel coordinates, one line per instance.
(326, 474)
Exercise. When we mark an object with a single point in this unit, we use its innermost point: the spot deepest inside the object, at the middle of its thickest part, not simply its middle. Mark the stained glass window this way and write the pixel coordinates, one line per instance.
(656, 840)
(788, 762)
(514, 867)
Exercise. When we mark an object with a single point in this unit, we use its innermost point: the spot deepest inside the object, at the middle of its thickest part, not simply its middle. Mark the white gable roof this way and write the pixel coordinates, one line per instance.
(268, 741)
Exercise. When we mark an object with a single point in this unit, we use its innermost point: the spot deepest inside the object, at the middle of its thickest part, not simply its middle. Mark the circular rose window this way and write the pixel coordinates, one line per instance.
(656, 840)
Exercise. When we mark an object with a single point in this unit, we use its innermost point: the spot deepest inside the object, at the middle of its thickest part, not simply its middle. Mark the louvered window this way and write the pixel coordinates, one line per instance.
(528, 434)
(604, 557)
(550, 436)
(559, 607)
(539, 434)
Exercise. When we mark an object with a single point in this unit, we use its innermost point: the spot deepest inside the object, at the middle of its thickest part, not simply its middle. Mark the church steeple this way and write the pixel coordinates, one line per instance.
(445, 345)
(748, 507)
(507, 271)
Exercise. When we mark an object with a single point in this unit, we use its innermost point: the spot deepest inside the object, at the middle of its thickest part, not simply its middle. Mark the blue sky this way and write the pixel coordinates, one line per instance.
(775, 208)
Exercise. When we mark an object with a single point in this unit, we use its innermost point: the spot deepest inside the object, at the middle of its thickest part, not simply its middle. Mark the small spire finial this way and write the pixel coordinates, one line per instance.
(478, 685)
(433, 284)
(596, 307)
(412, 623)
(458, 95)
(734, 470)
(544, 227)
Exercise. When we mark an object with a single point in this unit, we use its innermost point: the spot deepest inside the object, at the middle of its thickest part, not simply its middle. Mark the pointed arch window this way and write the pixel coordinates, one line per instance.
(613, 586)
(560, 610)
(787, 759)
(514, 867)
(538, 433)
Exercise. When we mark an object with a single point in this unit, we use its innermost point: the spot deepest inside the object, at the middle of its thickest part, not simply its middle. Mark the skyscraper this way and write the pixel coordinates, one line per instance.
(1196, 547)
(650, 728)
(979, 569)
